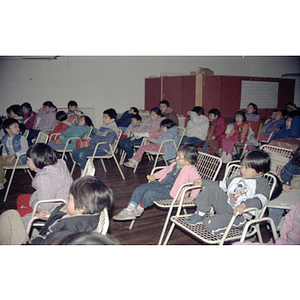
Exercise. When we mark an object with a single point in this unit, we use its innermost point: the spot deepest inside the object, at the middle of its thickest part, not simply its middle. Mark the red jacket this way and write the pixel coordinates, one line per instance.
(220, 127)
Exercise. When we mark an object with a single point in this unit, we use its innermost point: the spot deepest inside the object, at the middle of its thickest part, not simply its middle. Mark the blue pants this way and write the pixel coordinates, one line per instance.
(127, 145)
(190, 141)
(149, 192)
(80, 155)
(32, 133)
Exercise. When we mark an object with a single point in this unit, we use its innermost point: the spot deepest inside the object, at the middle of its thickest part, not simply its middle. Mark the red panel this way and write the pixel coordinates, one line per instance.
(152, 92)
(172, 91)
(188, 94)
(211, 95)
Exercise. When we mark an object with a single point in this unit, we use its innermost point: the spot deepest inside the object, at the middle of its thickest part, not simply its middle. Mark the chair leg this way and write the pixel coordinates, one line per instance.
(123, 155)
(119, 167)
(73, 167)
(169, 234)
(135, 167)
(103, 165)
(165, 226)
(9, 184)
(131, 224)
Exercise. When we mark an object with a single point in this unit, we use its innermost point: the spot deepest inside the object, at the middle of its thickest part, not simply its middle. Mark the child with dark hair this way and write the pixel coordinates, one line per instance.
(63, 124)
(164, 184)
(252, 113)
(86, 199)
(197, 127)
(168, 112)
(28, 115)
(76, 130)
(232, 196)
(15, 112)
(125, 119)
(14, 143)
(134, 125)
(237, 135)
(107, 133)
(73, 113)
(52, 180)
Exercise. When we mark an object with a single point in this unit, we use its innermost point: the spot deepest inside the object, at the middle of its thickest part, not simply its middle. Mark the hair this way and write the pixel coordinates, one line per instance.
(92, 194)
(49, 104)
(293, 113)
(215, 111)
(167, 123)
(86, 238)
(111, 113)
(137, 116)
(296, 157)
(258, 160)
(61, 116)
(190, 153)
(134, 109)
(199, 110)
(165, 102)
(8, 122)
(292, 104)
(16, 108)
(156, 110)
(27, 105)
(284, 112)
(255, 108)
(88, 120)
(240, 113)
(42, 155)
(72, 103)
(278, 188)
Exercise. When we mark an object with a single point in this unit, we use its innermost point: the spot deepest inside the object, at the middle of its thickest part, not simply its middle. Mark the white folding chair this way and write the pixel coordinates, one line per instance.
(231, 233)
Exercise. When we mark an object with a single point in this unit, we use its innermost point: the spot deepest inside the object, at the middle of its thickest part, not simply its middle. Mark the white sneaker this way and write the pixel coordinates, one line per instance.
(1, 186)
(125, 215)
(4, 180)
(227, 159)
(130, 164)
(137, 212)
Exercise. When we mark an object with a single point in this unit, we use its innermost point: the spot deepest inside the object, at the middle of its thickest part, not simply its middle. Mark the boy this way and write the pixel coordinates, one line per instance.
(14, 143)
(125, 119)
(234, 195)
(168, 112)
(73, 113)
(88, 197)
(107, 132)
(135, 124)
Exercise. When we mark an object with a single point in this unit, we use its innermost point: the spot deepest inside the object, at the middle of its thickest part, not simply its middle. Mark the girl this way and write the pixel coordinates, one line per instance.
(197, 127)
(15, 112)
(152, 123)
(28, 115)
(63, 124)
(237, 135)
(52, 180)
(76, 130)
(47, 115)
(168, 132)
(167, 185)
(252, 114)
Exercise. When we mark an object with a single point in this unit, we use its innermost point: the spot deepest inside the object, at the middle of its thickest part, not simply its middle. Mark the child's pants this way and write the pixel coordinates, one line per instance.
(262, 137)
(4, 163)
(214, 196)
(222, 137)
(80, 155)
(149, 192)
(128, 145)
(229, 143)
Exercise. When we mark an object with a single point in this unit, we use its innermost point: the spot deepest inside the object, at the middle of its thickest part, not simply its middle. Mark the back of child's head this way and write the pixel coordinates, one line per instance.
(167, 123)
(284, 112)
(91, 194)
(165, 102)
(134, 109)
(8, 122)
(137, 117)
(255, 108)
(72, 103)
(15, 108)
(199, 110)
(296, 157)
(257, 159)
(277, 189)
(61, 116)
(88, 120)
(42, 155)
(240, 113)
(156, 110)
(111, 113)
(190, 153)
(215, 112)
(27, 105)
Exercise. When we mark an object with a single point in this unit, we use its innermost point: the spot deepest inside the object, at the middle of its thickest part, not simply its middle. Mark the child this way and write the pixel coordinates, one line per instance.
(52, 180)
(15, 112)
(168, 112)
(252, 113)
(76, 130)
(87, 197)
(168, 132)
(197, 127)
(107, 133)
(63, 124)
(232, 196)
(167, 185)
(219, 124)
(290, 177)
(135, 124)
(47, 115)
(14, 143)
(237, 135)
(73, 113)
(272, 126)
(28, 115)
(125, 119)
(152, 123)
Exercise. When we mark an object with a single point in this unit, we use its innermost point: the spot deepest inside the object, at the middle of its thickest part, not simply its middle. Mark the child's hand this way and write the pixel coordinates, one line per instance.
(188, 199)
(188, 113)
(239, 210)
(286, 187)
(151, 177)
(149, 139)
(213, 138)
(10, 160)
(58, 142)
(197, 182)
(43, 214)
(132, 139)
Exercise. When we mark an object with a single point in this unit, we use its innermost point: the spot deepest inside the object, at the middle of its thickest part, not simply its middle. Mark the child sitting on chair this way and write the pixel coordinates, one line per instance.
(63, 124)
(87, 197)
(125, 119)
(155, 138)
(163, 184)
(73, 113)
(232, 196)
(134, 125)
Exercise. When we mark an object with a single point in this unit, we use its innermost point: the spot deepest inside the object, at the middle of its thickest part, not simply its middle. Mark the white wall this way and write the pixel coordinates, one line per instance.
(118, 82)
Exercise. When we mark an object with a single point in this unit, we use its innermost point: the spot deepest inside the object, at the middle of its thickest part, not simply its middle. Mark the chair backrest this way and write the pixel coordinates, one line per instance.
(42, 137)
(180, 134)
(26, 133)
(255, 126)
(103, 223)
(114, 145)
(279, 157)
(88, 134)
(208, 166)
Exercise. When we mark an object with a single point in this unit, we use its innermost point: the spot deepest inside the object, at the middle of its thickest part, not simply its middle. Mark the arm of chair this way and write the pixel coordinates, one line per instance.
(55, 135)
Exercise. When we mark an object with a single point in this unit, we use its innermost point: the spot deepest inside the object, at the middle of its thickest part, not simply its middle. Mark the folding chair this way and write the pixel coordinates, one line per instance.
(41, 138)
(231, 233)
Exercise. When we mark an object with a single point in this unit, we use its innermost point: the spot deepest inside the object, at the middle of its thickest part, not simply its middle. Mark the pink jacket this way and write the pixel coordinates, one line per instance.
(187, 174)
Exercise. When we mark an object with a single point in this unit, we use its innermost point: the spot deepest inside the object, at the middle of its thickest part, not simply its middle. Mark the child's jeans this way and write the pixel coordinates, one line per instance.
(128, 145)
(80, 155)
(229, 143)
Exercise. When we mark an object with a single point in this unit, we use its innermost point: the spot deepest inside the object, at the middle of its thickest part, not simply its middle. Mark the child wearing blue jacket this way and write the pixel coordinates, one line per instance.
(125, 119)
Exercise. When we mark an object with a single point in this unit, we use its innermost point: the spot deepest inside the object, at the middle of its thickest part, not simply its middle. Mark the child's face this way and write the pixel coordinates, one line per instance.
(46, 108)
(247, 172)
(164, 129)
(273, 116)
(163, 107)
(153, 116)
(11, 114)
(212, 117)
(13, 129)
(288, 123)
(239, 119)
(180, 159)
(71, 206)
(107, 120)
(278, 115)
(72, 107)
(81, 121)
(131, 111)
(134, 121)
(31, 164)
(25, 110)
(250, 109)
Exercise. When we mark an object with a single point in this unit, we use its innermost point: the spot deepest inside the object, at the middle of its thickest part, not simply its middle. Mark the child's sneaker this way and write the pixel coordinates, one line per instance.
(130, 164)
(194, 219)
(137, 212)
(125, 215)
(1, 186)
